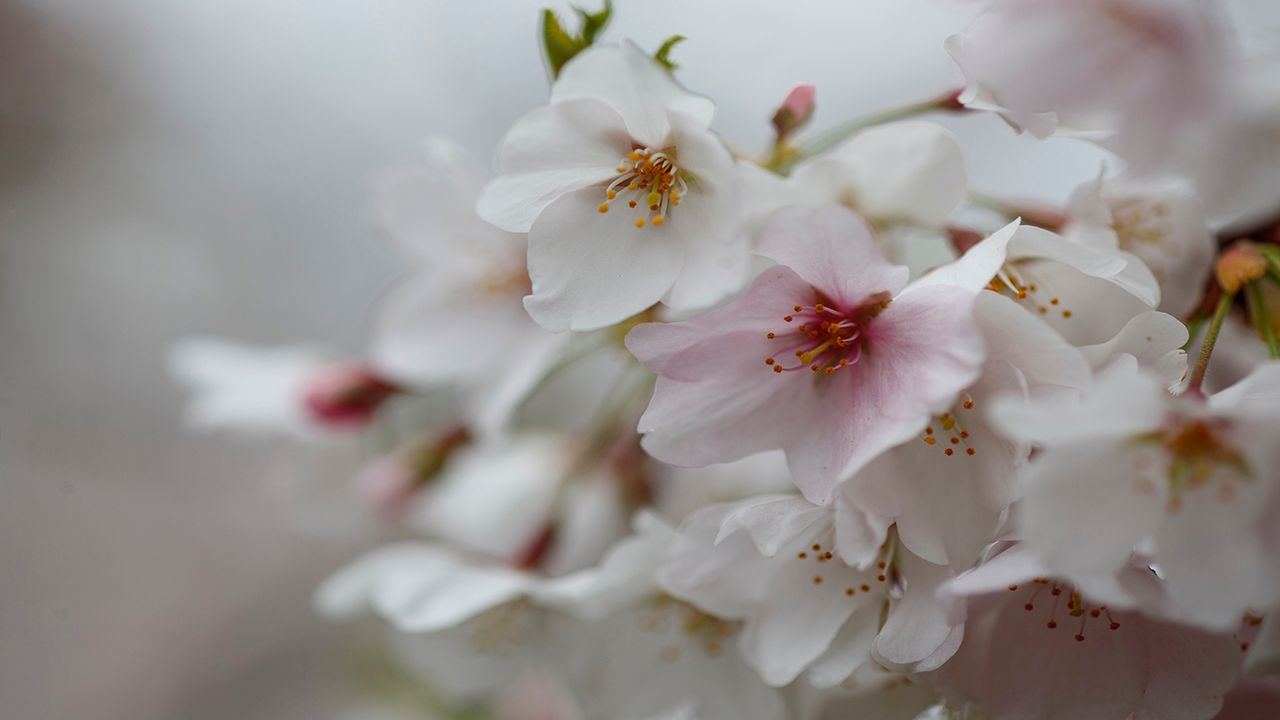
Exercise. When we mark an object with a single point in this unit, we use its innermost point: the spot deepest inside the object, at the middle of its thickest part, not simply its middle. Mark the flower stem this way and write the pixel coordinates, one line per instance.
(1210, 339)
(1261, 317)
(783, 162)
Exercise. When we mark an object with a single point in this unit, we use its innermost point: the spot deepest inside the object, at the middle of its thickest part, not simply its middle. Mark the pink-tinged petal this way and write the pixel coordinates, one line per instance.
(917, 626)
(975, 269)
(833, 249)
(634, 85)
(922, 351)
(553, 150)
(696, 349)
(1033, 671)
(799, 618)
(1085, 508)
(771, 521)
(905, 172)
(592, 269)
(721, 578)
(1190, 673)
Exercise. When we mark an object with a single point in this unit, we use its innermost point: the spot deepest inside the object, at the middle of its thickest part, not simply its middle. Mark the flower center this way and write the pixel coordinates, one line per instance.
(823, 338)
(1194, 454)
(946, 431)
(1017, 283)
(830, 569)
(648, 180)
(1075, 606)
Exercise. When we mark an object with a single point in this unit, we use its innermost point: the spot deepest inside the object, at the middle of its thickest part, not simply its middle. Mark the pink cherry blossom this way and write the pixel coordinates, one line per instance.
(829, 355)
(1037, 646)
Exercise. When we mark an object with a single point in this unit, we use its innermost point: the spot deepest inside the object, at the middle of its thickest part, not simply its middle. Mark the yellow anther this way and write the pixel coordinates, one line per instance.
(639, 222)
(604, 207)
(658, 220)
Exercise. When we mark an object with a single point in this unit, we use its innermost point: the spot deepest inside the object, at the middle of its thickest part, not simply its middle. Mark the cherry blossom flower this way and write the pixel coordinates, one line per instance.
(810, 584)
(291, 391)
(459, 318)
(1189, 483)
(628, 198)
(1159, 222)
(1143, 69)
(829, 356)
(948, 489)
(1038, 646)
(905, 172)
(1087, 293)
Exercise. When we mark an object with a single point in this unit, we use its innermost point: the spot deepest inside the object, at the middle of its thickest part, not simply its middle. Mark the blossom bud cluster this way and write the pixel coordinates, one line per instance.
(827, 432)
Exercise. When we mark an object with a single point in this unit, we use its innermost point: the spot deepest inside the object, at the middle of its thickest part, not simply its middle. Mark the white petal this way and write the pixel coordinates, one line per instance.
(917, 626)
(639, 89)
(1154, 338)
(496, 497)
(978, 265)
(905, 172)
(553, 150)
(772, 521)
(1123, 403)
(722, 578)
(850, 649)
(1259, 392)
(1085, 508)
(592, 269)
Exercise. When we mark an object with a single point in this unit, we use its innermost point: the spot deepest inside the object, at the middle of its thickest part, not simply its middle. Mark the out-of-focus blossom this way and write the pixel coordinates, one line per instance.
(905, 172)
(289, 391)
(628, 198)
(458, 319)
(1037, 646)
(829, 356)
(1143, 69)
(948, 488)
(1160, 222)
(1189, 483)
(811, 584)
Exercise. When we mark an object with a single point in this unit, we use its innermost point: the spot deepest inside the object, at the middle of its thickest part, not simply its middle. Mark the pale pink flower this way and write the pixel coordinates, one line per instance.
(1038, 646)
(1190, 483)
(1141, 68)
(1160, 222)
(830, 356)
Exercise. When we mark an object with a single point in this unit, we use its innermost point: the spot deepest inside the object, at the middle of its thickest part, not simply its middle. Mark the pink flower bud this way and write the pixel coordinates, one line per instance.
(345, 394)
(795, 110)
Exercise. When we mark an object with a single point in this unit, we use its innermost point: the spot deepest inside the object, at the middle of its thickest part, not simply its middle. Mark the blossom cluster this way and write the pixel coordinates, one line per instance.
(825, 432)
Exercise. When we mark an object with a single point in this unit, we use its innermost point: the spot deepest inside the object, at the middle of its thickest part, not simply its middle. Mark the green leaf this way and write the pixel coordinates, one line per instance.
(662, 56)
(560, 46)
(593, 23)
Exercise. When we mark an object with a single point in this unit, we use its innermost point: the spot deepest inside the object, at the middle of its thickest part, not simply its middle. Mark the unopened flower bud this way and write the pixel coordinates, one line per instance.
(1240, 264)
(345, 394)
(795, 111)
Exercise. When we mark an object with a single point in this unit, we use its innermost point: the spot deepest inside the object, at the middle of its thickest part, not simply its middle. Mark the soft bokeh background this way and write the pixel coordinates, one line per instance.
(175, 168)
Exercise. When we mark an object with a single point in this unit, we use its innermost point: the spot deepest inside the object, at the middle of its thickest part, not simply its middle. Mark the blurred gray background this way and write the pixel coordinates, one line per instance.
(173, 168)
